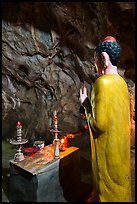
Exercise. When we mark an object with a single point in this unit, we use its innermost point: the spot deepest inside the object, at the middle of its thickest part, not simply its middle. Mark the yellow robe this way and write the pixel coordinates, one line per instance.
(109, 126)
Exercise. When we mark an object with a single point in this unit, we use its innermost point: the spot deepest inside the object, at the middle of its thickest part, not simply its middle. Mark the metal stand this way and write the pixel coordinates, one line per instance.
(19, 142)
(19, 155)
(56, 150)
(56, 140)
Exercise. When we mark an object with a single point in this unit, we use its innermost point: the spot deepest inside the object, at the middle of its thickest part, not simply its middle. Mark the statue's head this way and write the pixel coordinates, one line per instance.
(111, 47)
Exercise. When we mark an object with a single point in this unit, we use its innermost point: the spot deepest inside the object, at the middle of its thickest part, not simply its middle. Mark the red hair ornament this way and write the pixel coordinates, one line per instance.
(108, 39)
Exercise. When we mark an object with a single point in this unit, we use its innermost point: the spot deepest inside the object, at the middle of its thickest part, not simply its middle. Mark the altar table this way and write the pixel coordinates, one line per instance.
(42, 178)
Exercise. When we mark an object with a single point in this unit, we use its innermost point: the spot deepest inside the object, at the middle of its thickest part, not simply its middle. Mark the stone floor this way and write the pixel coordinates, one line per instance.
(8, 152)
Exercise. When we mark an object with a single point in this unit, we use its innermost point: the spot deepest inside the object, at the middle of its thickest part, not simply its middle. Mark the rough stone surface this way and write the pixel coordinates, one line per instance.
(47, 53)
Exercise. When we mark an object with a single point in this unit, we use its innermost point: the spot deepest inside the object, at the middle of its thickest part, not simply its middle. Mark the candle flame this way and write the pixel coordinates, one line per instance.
(19, 123)
(62, 141)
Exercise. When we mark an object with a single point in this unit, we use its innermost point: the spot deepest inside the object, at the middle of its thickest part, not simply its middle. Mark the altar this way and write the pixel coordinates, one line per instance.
(42, 178)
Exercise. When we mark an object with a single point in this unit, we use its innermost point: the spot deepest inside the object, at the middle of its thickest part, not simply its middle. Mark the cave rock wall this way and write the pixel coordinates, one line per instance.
(47, 53)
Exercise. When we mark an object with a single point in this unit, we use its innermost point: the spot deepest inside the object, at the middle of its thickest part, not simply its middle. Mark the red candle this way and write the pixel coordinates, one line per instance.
(19, 131)
(66, 142)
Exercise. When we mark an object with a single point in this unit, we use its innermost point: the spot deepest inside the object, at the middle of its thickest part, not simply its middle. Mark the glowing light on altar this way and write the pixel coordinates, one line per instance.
(62, 141)
(62, 148)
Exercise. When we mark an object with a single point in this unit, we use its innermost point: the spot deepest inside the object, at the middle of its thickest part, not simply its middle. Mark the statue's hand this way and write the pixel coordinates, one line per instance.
(83, 94)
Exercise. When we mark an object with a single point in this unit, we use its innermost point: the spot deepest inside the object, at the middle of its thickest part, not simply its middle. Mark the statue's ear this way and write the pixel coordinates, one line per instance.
(105, 58)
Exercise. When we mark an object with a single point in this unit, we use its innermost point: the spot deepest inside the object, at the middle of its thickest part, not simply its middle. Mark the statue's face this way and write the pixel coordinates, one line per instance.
(98, 64)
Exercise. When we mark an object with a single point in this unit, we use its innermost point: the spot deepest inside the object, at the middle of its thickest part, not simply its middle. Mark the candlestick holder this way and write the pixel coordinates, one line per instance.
(56, 133)
(56, 150)
(19, 142)
(56, 142)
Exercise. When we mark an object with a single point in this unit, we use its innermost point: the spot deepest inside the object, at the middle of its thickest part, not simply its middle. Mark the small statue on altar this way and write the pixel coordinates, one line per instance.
(108, 117)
